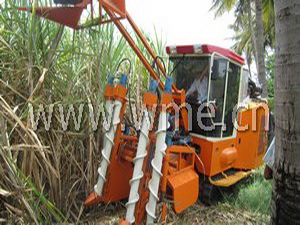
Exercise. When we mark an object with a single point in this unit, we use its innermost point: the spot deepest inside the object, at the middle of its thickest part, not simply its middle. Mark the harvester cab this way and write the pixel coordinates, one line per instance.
(212, 79)
(208, 131)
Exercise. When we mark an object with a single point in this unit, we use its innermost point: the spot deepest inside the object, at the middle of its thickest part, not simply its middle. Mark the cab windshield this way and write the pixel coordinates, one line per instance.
(192, 75)
(218, 86)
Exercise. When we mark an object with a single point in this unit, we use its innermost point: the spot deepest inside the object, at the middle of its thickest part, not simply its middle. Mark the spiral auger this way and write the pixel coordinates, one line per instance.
(140, 155)
(160, 149)
(106, 151)
(109, 103)
(156, 166)
(108, 142)
(138, 164)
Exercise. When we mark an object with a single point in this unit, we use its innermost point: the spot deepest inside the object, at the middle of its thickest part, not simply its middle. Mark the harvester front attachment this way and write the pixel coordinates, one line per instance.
(160, 151)
(160, 172)
(114, 172)
(150, 100)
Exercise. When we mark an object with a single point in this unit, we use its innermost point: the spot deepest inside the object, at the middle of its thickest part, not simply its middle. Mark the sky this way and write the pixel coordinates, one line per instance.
(182, 21)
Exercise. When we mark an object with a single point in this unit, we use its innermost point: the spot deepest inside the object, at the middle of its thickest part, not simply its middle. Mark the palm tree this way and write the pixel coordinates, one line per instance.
(286, 189)
(248, 41)
(260, 48)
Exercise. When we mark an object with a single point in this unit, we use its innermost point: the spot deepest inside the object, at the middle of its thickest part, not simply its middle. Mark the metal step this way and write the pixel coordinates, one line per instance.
(229, 180)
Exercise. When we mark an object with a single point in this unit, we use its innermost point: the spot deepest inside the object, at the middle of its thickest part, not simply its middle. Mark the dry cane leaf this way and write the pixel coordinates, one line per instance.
(5, 193)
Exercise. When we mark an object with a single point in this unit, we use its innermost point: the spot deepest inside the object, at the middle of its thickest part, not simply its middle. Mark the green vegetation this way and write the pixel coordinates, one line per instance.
(246, 29)
(247, 203)
(45, 176)
(253, 196)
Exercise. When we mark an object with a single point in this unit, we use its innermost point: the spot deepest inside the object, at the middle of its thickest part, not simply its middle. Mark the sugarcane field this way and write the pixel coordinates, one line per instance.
(131, 112)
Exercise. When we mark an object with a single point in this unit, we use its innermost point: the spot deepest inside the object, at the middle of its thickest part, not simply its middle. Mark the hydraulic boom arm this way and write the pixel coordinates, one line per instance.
(115, 9)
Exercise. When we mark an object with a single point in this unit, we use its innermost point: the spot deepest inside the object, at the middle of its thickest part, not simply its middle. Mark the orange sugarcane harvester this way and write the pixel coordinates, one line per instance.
(203, 128)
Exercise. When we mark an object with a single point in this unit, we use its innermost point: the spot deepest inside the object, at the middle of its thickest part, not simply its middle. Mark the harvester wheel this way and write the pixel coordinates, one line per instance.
(209, 193)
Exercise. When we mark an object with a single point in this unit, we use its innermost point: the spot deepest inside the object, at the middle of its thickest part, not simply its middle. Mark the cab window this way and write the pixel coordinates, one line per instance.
(192, 75)
(232, 94)
(217, 87)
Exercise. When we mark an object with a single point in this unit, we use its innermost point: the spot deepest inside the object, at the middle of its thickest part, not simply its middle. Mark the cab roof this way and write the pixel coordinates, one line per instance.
(204, 49)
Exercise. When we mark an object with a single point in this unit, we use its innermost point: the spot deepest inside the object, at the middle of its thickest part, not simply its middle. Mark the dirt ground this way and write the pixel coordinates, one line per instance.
(222, 213)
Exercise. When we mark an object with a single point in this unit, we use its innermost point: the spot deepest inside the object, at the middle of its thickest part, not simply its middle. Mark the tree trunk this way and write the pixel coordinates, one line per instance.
(250, 24)
(286, 187)
(260, 48)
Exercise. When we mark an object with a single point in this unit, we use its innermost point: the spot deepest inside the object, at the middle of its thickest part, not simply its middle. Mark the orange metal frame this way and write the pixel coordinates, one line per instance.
(245, 151)
(120, 170)
(180, 177)
(136, 49)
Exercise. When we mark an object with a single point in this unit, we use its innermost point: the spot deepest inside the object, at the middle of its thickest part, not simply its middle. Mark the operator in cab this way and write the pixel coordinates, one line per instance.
(197, 92)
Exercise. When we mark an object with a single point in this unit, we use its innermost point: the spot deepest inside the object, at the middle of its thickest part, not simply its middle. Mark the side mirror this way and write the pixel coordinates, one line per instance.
(255, 89)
